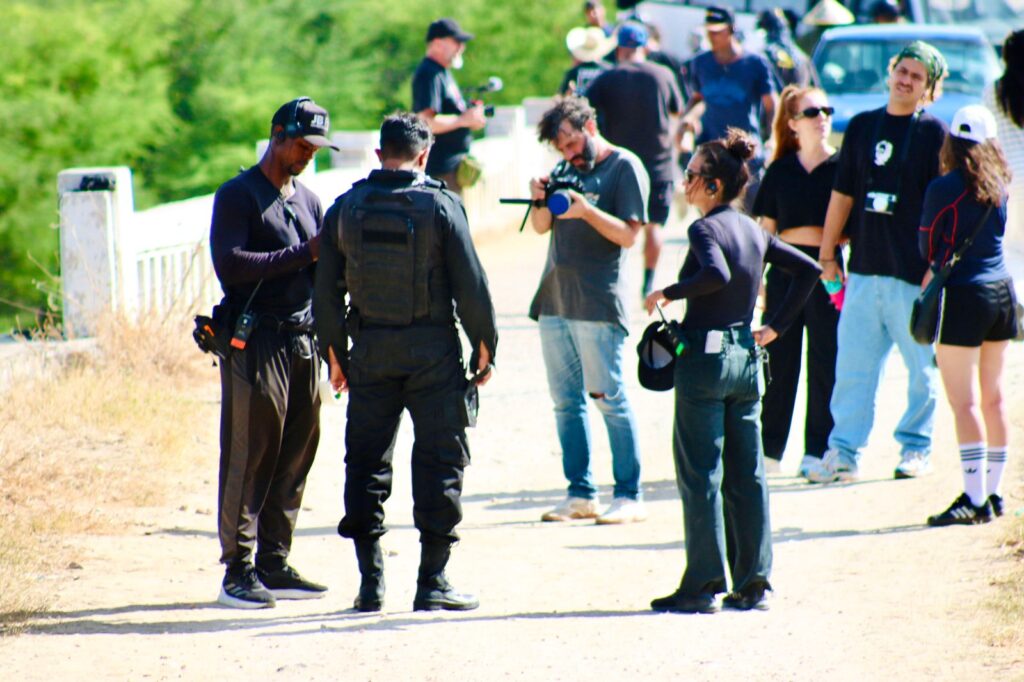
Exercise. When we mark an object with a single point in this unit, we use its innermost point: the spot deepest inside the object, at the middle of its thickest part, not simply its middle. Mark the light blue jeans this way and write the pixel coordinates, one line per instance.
(584, 358)
(876, 314)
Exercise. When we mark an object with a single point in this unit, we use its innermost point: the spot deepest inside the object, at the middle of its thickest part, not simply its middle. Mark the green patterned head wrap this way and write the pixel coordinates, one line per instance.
(934, 62)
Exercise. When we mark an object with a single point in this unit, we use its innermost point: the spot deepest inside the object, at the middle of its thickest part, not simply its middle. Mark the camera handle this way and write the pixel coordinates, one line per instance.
(529, 203)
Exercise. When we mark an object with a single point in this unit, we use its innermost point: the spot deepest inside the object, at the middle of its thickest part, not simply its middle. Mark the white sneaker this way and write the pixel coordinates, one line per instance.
(572, 508)
(833, 468)
(623, 510)
(913, 463)
(811, 466)
(772, 467)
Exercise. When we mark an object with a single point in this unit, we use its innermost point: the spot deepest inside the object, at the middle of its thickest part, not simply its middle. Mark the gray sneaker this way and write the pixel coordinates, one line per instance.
(834, 468)
(913, 463)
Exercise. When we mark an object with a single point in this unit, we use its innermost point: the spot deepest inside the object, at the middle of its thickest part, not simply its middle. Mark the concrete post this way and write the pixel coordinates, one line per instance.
(97, 252)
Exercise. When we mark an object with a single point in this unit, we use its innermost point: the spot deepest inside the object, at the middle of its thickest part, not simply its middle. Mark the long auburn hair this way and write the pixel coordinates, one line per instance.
(786, 140)
(983, 165)
(1010, 86)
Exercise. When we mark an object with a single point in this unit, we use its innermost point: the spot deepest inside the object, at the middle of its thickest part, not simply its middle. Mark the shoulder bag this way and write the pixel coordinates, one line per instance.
(926, 313)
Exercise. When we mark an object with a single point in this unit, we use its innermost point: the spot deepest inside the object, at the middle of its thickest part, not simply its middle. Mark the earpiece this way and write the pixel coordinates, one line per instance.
(712, 186)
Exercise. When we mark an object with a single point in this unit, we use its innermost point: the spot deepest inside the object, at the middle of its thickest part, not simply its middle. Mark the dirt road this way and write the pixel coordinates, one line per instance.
(863, 589)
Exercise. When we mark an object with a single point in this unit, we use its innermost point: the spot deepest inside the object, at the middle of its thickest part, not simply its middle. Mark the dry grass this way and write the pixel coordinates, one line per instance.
(100, 431)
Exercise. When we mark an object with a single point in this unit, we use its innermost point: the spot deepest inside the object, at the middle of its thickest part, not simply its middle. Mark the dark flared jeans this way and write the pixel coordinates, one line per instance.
(717, 448)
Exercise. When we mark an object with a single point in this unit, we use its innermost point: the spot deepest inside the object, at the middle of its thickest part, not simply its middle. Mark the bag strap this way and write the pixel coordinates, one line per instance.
(970, 239)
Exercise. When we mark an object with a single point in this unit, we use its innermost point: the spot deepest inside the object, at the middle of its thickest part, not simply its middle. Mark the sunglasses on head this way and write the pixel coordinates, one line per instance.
(814, 112)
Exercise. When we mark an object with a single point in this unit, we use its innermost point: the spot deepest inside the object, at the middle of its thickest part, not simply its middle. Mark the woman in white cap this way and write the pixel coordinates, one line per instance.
(979, 307)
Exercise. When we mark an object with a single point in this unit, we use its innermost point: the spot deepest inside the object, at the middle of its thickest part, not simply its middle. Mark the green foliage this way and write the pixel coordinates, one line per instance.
(181, 90)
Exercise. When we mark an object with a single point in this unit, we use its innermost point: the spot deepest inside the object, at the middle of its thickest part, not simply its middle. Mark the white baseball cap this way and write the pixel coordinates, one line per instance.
(973, 122)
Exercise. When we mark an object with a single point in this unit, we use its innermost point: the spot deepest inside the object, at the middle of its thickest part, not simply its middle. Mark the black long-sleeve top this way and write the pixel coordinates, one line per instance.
(722, 272)
(470, 293)
(255, 235)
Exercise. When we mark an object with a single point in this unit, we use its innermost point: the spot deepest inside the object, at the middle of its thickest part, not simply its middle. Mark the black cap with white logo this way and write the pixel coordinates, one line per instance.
(304, 118)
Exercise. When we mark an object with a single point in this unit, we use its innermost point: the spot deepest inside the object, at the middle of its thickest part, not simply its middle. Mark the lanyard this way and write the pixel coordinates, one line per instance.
(904, 150)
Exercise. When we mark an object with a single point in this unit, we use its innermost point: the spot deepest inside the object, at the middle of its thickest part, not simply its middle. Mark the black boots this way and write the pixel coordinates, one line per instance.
(433, 591)
(371, 568)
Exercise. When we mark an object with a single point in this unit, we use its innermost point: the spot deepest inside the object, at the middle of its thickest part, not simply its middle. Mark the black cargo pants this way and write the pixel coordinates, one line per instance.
(391, 369)
(269, 431)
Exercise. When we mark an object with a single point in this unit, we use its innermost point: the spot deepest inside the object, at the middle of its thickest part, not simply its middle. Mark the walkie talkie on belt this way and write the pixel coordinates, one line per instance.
(246, 323)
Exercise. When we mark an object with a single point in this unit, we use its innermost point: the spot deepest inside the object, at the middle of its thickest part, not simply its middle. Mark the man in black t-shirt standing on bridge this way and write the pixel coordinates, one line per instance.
(436, 98)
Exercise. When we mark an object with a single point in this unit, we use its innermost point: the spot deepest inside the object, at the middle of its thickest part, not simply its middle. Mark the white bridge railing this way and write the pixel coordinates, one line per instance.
(153, 262)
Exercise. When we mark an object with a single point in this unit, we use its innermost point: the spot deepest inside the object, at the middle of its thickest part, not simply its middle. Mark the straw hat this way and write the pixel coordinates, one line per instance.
(828, 13)
(588, 44)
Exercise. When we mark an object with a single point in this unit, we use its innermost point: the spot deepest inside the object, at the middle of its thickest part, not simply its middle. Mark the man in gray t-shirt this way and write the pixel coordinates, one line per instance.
(580, 304)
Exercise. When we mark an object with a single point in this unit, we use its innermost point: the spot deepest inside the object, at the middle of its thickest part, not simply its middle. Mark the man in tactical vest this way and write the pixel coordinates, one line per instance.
(397, 245)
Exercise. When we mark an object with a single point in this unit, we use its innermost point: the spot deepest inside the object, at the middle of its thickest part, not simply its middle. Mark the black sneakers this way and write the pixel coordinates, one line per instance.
(242, 589)
(680, 602)
(751, 597)
(286, 583)
(996, 502)
(963, 512)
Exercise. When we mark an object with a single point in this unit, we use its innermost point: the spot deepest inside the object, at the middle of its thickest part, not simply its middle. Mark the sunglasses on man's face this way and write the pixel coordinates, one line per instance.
(814, 112)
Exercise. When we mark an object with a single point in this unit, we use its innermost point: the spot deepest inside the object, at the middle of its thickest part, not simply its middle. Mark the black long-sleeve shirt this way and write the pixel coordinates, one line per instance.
(470, 293)
(257, 235)
(721, 275)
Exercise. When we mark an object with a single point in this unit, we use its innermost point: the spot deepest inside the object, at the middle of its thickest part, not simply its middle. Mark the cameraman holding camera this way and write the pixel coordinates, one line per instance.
(436, 99)
(580, 303)
(888, 157)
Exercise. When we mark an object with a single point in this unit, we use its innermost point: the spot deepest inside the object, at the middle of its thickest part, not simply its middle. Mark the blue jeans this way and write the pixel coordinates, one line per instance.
(719, 468)
(584, 358)
(876, 314)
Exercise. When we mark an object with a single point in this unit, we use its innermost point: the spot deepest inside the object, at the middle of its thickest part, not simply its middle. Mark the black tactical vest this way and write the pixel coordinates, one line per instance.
(394, 261)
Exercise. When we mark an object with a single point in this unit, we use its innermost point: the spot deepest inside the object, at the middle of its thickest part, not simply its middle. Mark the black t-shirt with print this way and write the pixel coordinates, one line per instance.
(433, 87)
(870, 161)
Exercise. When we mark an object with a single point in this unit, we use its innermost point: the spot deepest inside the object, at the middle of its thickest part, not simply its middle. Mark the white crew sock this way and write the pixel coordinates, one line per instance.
(972, 463)
(996, 464)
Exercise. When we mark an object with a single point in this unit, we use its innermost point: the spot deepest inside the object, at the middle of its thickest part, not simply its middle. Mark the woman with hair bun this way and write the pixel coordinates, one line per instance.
(719, 383)
(791, 203)
(979, 309)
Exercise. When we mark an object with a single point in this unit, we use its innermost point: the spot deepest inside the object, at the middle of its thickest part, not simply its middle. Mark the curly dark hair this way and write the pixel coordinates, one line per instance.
(725, 161)
(404, 135)
(572, 108)
(1010, 86)
(983, 166)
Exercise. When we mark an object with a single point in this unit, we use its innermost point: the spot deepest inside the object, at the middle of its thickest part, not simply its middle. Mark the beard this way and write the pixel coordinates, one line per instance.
(585, 160)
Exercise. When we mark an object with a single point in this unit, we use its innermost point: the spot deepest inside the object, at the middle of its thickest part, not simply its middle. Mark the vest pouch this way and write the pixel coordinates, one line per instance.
(385, 261)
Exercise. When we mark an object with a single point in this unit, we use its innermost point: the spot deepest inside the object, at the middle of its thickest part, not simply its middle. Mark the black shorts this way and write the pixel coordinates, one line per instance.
(973, 313)
(659, 202)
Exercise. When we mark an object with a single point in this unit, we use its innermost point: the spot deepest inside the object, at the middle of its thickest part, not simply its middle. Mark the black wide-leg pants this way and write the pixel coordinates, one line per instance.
(820, 319)
(269, 431)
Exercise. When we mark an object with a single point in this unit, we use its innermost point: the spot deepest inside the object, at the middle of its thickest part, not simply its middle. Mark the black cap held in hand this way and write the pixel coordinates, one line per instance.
(656, 368)
(447, 28)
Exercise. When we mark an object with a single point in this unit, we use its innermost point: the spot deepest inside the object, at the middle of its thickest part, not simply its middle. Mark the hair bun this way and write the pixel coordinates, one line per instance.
(740, 144)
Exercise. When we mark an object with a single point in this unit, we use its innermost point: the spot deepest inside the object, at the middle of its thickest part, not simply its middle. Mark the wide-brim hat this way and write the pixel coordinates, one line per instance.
(828, 13)
(657, 358)
(588, 44)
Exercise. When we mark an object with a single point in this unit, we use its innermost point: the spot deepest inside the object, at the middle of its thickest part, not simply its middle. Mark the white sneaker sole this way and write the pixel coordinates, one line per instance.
(297, 594)
(575, 516)
(615, 520)
(226, 599)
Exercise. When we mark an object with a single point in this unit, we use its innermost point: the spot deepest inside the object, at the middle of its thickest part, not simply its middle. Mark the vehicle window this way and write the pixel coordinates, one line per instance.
(955, 11)
(861, 66)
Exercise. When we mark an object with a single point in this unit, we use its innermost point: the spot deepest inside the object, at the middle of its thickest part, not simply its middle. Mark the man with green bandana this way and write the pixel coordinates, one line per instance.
(888, 158)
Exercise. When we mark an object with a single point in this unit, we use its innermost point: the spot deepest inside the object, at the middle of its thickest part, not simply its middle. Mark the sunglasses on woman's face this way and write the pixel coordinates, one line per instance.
(690, 175)
(814, 112)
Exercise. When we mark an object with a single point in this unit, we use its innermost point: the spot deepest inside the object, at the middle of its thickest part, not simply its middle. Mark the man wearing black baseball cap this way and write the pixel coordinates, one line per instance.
(730, 87)
(436, 98)
(264, 240)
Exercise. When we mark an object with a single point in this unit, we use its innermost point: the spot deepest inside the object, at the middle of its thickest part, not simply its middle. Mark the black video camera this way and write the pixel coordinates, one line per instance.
(493, 84)
(556, 195)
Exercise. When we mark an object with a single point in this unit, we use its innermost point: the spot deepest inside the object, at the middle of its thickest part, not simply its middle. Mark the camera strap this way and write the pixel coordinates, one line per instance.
(904, 150)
